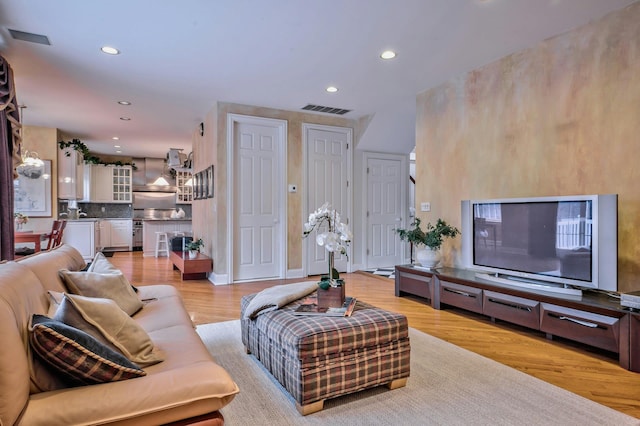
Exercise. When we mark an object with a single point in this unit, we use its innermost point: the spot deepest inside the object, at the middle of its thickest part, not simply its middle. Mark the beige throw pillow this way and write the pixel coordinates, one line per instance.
(101, 265)
(106, 322)
(109, 286)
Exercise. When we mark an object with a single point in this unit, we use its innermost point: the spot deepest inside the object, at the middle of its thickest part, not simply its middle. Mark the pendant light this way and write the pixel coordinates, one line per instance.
(32, 167)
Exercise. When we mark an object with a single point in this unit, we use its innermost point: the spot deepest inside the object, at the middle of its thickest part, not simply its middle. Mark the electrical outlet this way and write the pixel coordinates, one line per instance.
(103, 209)
(425, 207)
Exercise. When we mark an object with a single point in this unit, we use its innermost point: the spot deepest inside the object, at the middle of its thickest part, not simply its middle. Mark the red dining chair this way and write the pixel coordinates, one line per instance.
(55, 237)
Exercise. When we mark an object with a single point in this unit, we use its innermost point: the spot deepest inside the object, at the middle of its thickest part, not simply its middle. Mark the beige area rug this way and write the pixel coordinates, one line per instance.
(448, 386)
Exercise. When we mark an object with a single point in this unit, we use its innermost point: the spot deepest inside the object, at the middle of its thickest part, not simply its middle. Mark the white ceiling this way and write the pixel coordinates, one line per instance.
(180, 57)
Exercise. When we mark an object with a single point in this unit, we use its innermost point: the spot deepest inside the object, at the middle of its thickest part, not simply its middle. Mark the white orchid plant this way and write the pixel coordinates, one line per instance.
(335, 239)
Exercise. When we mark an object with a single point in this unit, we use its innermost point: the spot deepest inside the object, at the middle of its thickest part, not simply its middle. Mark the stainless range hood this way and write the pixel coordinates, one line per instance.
(148, 170)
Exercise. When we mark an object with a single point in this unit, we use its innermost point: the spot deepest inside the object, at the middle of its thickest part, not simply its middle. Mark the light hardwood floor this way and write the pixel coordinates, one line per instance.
(592, 374)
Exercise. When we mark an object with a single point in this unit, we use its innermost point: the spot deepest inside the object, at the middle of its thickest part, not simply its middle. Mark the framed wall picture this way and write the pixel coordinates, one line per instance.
(210, 181)
(197, 186)
(205, 184)
(32, 191)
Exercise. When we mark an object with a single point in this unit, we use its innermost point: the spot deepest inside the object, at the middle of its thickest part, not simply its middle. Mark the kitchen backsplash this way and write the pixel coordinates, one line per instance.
(111, 211)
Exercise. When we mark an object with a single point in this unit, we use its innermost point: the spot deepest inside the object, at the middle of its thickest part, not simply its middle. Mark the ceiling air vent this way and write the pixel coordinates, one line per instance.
(328, 110)
(30, 37)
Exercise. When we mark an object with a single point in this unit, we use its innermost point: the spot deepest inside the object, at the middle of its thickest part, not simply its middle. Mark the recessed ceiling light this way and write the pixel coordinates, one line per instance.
(116, 146)
(124, 102)
(388, 54)
(332, 89)
(115, 138)
(110, 50)
(125, 118)
(118, 152)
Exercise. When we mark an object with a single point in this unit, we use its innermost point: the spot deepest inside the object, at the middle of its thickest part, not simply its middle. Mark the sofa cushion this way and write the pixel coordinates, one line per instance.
(110, 325)
(78, 356)
(113, 286)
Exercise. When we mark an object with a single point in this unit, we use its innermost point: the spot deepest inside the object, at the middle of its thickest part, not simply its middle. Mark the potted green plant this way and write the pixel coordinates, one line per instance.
(431, 238)
(193, 247)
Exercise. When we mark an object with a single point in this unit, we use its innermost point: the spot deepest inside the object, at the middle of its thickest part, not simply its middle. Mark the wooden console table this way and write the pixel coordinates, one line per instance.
(595, 319)
(191, 269)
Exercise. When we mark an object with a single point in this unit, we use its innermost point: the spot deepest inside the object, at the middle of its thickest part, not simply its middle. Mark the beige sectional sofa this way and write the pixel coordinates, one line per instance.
(187, 384)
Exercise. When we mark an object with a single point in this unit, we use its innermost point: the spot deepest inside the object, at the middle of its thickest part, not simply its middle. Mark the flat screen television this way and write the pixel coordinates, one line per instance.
(559, 244)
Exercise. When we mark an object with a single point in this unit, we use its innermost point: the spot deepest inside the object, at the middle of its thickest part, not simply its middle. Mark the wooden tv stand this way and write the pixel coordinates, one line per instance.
(595, 319)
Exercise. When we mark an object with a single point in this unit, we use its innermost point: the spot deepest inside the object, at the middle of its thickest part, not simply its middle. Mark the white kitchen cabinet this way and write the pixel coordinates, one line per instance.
(121, 184)
(81, 235)
(107, 183)
(116, 233)
(70, 174)
(185, 192)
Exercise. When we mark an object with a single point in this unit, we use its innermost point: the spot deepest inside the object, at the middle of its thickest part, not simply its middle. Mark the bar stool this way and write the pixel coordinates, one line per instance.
(161, 239)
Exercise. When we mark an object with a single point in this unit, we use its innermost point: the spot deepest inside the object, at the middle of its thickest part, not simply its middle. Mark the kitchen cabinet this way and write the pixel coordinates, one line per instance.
(70, 174)
(185, 192)
(116, 233)
(107, 183)
(81, 235)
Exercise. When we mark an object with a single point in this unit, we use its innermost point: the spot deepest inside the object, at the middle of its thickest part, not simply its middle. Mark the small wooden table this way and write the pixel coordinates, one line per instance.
(30, 237)
(191, 269)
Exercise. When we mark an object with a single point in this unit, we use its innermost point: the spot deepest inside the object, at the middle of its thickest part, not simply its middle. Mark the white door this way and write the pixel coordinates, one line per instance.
(385, 205)
(327, 180)
(257, 200)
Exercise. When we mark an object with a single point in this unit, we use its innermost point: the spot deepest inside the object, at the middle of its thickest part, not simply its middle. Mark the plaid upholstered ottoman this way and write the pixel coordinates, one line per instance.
(316, 358)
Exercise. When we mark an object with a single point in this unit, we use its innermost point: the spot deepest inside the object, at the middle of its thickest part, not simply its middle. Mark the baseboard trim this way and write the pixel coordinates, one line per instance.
(294, 273)
(219, 279)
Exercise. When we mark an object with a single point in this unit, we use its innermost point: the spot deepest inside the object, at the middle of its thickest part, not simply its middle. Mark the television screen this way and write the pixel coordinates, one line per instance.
(562, 241)
(550, 238)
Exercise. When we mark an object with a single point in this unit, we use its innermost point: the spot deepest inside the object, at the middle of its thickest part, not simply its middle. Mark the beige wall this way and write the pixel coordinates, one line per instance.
(560, 118)
(43, 140)
(210, 219)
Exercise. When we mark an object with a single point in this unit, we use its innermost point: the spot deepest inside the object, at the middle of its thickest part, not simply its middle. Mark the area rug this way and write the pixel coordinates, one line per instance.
(448, 386)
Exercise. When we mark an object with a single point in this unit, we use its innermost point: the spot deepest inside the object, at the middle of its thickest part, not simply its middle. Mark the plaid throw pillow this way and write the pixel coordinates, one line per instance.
(80, 358)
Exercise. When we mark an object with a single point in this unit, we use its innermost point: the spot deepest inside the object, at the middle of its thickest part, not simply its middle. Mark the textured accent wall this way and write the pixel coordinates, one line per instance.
(560, 118)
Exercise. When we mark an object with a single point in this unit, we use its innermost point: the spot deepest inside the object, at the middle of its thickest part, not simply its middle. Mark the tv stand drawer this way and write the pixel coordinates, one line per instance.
(418, 285)
(516, 310)
(596, 330)
(462, 296)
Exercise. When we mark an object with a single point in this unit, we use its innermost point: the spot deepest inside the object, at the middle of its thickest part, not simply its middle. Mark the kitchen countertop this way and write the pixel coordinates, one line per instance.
(94, 219)
(184, 219)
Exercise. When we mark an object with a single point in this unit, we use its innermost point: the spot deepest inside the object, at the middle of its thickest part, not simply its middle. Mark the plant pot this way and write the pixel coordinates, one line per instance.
(428, 258)
(333, 297)
(193, 254)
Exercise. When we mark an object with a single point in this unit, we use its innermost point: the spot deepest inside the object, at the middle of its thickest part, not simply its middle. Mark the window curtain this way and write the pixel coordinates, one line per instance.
(9, 157)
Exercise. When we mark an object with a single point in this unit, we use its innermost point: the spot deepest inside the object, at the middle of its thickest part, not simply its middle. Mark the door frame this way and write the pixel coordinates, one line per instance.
(404, 188)
(281, 125)
(305, 181)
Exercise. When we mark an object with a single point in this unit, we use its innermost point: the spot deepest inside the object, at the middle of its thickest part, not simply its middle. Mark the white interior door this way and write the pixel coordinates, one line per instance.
(385, 205)
(327, 180)
(257, 199)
